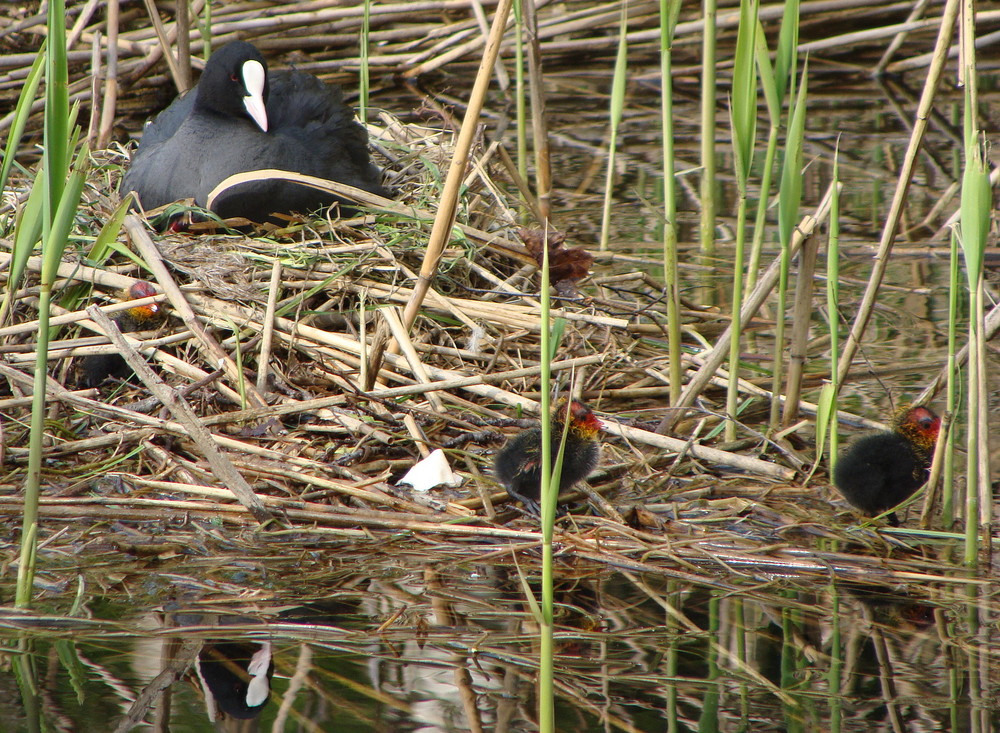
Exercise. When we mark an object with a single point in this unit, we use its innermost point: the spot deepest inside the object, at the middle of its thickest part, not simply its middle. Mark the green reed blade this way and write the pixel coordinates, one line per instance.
(669, 10)
(618, 85)
(786, 56)
(707, 190)
(743, 96)
(22, 111)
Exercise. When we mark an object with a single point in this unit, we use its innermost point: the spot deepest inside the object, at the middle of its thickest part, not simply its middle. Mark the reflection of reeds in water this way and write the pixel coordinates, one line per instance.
(403, 627)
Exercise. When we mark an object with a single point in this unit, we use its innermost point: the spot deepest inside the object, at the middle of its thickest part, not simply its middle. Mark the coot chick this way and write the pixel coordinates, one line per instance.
(518, 466)
(97, 368)
(240, 118)
(882, 469)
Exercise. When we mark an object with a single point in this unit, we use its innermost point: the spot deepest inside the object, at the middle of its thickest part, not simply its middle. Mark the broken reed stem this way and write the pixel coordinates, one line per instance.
(867, 307)
(211, 349)
(268, 331)
(798, 342)
(448, 202)
(196, 432)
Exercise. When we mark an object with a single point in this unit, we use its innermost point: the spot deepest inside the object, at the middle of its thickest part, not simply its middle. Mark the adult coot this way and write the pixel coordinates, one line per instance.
(240, 118)
(881, 469)
(518, 465)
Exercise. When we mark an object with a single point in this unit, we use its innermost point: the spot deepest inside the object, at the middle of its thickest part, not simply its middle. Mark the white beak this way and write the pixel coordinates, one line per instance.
(253, 80)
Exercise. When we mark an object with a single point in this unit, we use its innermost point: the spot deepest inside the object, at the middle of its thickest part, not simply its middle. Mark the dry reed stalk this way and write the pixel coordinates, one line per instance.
(798, 346)
(888, 237)
(210, 348)
(503, 315)
(102, 509)
(65, 318)
(402, 338)
(145, 510)
(76, 272)
(404, 511)
(91, 346)
(95, 89)
(222, 468)
(765, 284)
(268, 334)
(161, 34)
(448, 201)
(870, 34)
(183, 46)
(447, 305)
(929, 59)
(119, 439)
(110, 100)
(712, 455)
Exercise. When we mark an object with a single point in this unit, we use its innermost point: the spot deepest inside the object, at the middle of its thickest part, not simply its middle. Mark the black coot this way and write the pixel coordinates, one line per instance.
(97, 368)
(240, 118)
(518, 466)
(881, 469)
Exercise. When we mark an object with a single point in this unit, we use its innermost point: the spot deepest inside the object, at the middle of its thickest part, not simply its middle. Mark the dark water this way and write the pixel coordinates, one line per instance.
(409, 646)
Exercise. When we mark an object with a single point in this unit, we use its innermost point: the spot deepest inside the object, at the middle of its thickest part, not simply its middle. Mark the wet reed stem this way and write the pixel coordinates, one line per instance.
(669, 10)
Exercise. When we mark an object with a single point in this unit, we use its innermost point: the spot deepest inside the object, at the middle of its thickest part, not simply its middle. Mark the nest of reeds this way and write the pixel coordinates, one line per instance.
(322, 449)
(311, 426)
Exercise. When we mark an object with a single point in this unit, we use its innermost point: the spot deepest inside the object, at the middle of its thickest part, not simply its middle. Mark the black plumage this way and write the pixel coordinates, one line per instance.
(880, 470)
(240, 118)
(518, 465)
(98, 368)
(236, 678)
